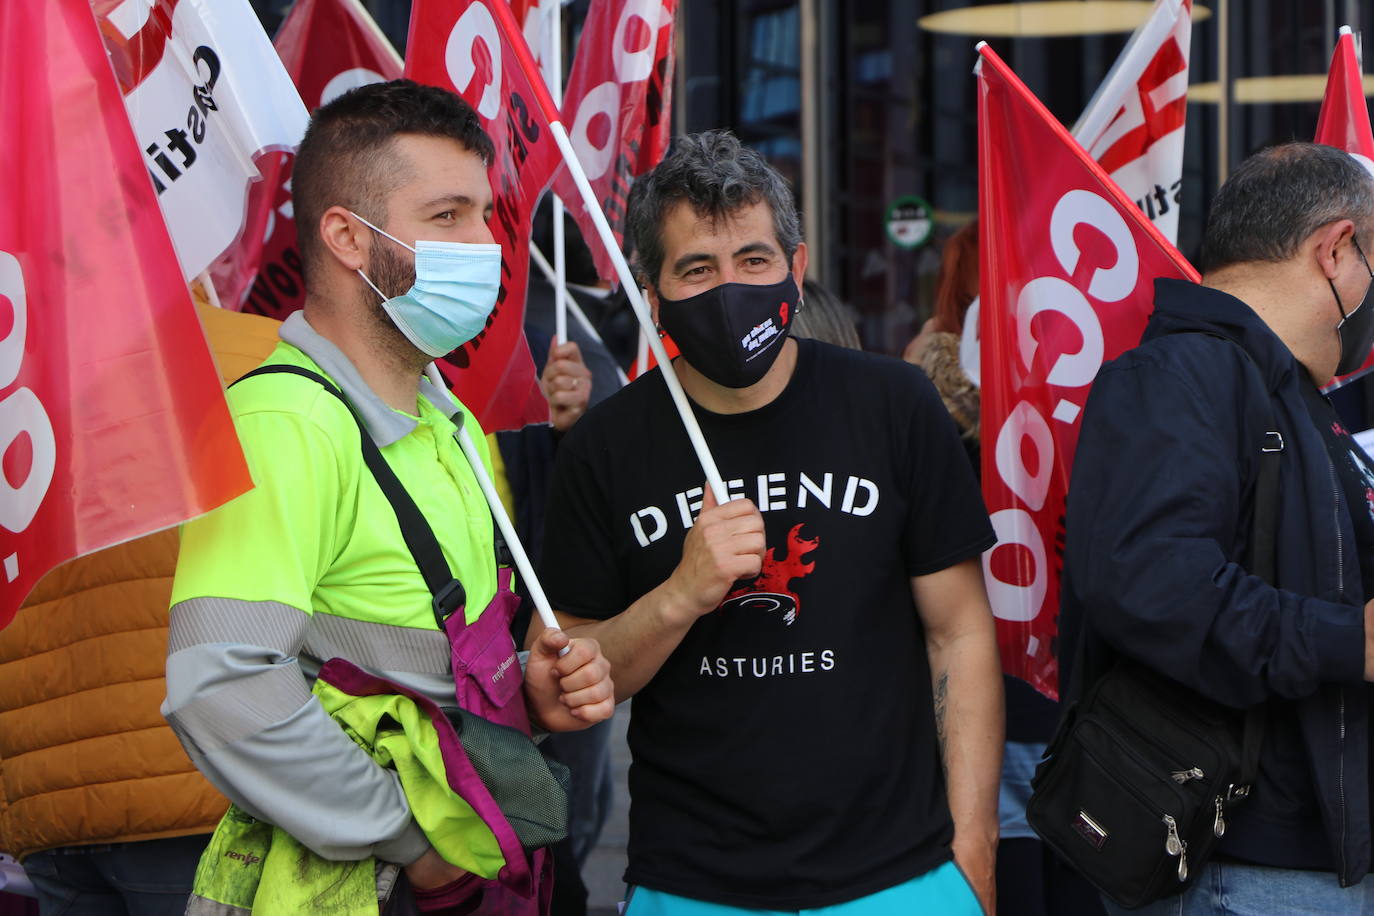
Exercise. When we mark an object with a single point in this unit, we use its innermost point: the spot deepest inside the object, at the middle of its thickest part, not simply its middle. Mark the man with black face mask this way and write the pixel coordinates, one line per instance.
(806, 657)
(1159, 523)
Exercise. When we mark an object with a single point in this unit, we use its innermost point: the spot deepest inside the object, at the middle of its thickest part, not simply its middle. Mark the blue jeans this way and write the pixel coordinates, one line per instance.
(1230, 889)
(121, 879)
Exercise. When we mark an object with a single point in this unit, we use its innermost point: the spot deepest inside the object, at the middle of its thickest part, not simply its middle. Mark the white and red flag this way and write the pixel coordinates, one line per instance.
(327, 47)
(1344, 124)
(617, 109)
(1133, 127)
(1134, 124)
(1068, 264)
(112, 418)
(475, 48)
(207, 96)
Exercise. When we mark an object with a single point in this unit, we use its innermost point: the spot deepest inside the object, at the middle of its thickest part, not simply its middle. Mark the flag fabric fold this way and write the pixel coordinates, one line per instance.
(617, 109)
(1067, 269)
(112, 419)
(1134, 124)
(207, 96)
(327, 48)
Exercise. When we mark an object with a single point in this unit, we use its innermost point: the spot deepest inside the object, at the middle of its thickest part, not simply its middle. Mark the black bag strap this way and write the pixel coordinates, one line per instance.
(1264, 529)
(448, 593)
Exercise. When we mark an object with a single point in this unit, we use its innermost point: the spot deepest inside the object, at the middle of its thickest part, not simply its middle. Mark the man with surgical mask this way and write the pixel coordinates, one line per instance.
(818, 700)
(1161, 508)
(392, 199)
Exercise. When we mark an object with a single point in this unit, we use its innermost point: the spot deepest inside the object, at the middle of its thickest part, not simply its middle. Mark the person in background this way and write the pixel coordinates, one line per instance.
(822, 316)
(96, 796)
(1031, 881)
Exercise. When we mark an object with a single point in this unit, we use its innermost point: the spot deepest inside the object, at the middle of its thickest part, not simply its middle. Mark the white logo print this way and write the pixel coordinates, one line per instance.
(761, 334)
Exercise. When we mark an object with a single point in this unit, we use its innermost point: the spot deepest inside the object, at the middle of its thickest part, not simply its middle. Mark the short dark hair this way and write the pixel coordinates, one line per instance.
(1278, 197)
(714, 173)
(345, 158)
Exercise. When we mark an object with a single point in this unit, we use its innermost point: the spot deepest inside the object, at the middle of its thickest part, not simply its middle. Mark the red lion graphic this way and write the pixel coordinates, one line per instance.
(769, 591)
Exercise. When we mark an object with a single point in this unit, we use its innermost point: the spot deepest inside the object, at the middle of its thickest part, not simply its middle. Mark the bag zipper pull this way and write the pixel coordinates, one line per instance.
(1219, 825)
(1175, 846)
(1182, 776)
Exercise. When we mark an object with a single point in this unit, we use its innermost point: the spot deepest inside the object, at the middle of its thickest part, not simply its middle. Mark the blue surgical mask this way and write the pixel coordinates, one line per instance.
(456, 284)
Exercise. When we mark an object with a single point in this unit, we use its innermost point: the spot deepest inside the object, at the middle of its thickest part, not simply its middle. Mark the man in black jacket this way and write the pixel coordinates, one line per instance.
(1160, 508)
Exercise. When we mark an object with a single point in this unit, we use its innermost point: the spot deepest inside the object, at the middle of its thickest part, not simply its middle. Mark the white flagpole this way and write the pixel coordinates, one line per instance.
(498, 511)
(574, 309)
(642, 354)
(646, 321)
(208, 285)
(554, 77)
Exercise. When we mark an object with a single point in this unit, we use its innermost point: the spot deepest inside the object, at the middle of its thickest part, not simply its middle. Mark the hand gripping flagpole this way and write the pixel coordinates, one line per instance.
(498, 511)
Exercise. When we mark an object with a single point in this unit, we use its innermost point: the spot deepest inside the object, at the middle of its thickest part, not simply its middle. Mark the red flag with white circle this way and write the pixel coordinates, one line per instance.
(112, 419)
(1068, 264)
(475, 48)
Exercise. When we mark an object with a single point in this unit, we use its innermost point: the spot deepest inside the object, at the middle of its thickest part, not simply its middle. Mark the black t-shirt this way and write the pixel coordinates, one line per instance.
(785, 754)
(1355, 472)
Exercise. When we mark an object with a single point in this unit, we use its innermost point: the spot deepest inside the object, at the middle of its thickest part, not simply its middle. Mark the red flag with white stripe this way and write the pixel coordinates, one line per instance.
(1068, 265)
(1134, 124)
(208, 99)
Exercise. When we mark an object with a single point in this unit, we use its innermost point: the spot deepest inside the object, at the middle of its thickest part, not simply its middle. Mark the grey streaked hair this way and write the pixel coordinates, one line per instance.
(714, 173)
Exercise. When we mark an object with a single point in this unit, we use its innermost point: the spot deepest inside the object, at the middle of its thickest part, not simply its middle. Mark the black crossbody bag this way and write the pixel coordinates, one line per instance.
(1136, 785)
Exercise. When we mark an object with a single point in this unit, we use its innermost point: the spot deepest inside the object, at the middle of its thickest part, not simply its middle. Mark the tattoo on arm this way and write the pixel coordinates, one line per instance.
(941, 695)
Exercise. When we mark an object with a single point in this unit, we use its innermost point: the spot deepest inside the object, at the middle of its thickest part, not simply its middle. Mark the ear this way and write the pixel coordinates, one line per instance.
(1329, 243)
(651, 297)
(343, 237)
(800, 258)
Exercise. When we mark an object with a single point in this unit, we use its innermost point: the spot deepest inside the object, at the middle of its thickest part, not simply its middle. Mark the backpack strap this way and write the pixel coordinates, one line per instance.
(448, 593)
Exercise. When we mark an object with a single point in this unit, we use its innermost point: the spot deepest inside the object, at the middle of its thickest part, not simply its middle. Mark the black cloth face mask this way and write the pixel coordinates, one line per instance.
(733, 332)
(1356, 329)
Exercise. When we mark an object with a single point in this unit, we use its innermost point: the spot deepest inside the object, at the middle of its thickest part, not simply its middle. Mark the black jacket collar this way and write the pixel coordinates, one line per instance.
(1181, 306)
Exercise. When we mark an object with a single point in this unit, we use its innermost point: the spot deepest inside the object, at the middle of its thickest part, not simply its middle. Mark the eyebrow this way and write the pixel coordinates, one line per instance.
(688, 260)
(453, 200)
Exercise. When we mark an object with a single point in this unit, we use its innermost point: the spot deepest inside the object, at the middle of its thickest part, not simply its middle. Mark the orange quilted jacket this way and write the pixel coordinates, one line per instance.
(85, 756)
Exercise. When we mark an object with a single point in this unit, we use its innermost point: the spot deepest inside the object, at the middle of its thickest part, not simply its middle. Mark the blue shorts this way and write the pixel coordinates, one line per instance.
(941, 890)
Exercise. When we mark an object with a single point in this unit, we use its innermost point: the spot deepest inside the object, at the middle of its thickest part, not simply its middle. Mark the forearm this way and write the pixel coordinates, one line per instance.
(250, 723)
(639, 640)
(969, 717)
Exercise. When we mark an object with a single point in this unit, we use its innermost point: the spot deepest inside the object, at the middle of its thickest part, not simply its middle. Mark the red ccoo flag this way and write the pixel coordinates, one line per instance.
(474, 48)
(616, 109)
(112, 419)
(1068, 265)
(1344, 124)
(328, 47)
